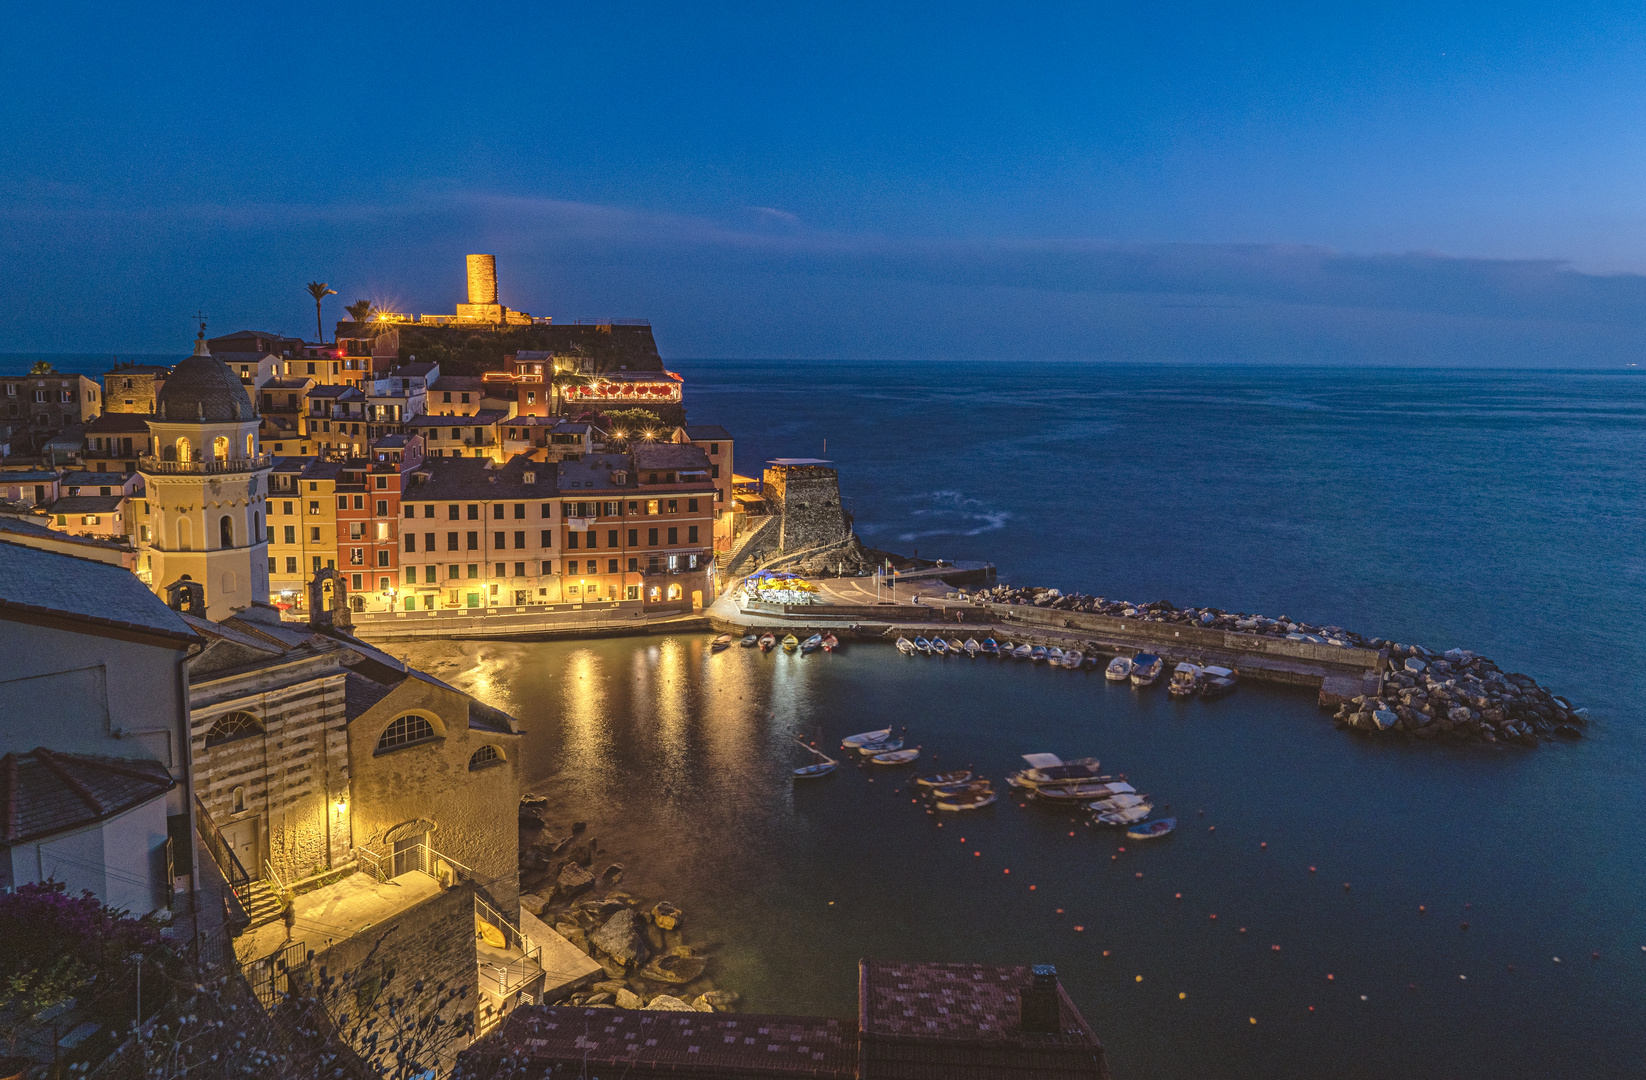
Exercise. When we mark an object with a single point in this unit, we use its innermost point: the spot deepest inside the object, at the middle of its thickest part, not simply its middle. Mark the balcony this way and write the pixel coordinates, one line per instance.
(152, 465)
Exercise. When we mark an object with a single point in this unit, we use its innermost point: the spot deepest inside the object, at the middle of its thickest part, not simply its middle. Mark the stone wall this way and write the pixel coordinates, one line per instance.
(432, 942)
(808, 498)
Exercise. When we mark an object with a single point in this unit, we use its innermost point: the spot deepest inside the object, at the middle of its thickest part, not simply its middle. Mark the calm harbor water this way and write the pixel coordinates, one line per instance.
(1498, 511)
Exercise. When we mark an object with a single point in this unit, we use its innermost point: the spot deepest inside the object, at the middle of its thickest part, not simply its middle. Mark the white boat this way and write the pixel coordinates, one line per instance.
(1146, 669)
(1217, 681)
(939, 647)
(721, 642)
(972, 647)
(1081, 793)
(749, 641)
(975, 801)
(1123, 817)
(896, 757)
(1054, 656)
(885, 746)
(1051, 769)
(1023, 651)
(1119, 669)
(1185, 680)
(852, 742)
(905, 646)
(1072, 658)
(1038, 653)
(1118, 802)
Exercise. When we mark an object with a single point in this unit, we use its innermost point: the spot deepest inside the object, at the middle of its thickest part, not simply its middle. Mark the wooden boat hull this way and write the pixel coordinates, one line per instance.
(813, 772)
(942, 779)
(887, 747)
(896, 757)
(1153, 830)
(976, 802)
(852, 742)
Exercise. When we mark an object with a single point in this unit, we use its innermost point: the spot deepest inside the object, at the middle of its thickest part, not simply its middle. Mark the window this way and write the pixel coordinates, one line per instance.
(357, 557)
(501, 571)
(285, 508)
(519, 539)
(497, 511)
(674, 506)
(486, 755)
(314, 534)
(291, 564)
(691, 506)
(519, 569)
(383, 558)
(235, 725)
(548, 511)
(474, 570)
(382, 482)
(354, 583)
(291, 534)
(714, 448)
(611, 566)
(411, 575)
(238, 799)
(651, 537)
(632, 592)
(548, 538)
(474, 541)
(634, 568)
(405, 731)
(634, 537)
(382, 508)
(453, 512)
(411, 511)
(500, 540)
(714, 472)
(691, 534)
(651, 506)
(451, 541)
(571, 541)
(411, 541)
(474, 511)
(342, 502)
(611, 537)
(674, 536)
(314, 507)
(519, 511)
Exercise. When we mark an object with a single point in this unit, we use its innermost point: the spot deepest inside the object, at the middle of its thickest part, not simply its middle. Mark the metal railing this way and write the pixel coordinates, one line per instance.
(505, 979)
(223, 855)
(271, 976)
(148, 463)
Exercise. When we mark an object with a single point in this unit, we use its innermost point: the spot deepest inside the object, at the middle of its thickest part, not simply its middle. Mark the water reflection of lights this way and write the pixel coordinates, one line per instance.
(671, 705)
(583, 703)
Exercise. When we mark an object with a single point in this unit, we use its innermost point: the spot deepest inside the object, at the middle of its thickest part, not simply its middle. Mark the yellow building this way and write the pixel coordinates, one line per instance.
(303, 526)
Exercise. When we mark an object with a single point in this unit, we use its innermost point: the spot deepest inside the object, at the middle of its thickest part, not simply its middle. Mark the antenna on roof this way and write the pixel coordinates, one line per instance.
(200, 317)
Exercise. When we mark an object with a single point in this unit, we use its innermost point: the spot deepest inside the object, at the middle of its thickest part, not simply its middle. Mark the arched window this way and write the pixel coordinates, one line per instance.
(232, 726)
(257, 527)
(168, 453)
(220, 448)
(185, 451)
(404, 731)
(239, 800)
(251, 446)
(674, 592)
(225, 532)
(185, 534)
(486, 755)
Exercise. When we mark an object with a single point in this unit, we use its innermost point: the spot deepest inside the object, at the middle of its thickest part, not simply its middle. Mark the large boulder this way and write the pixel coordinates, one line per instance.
(628, 999)
(619, 938)
(673, 968)
(666, 1002)
(573, 880)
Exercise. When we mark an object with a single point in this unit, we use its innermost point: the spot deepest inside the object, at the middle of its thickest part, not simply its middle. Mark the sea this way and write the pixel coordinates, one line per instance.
(1331, 904)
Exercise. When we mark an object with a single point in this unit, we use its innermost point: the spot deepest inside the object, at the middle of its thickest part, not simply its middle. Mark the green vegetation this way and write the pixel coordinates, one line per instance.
(319, 290)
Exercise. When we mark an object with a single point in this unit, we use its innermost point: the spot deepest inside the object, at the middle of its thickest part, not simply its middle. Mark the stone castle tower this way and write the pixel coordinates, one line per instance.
(206, 485)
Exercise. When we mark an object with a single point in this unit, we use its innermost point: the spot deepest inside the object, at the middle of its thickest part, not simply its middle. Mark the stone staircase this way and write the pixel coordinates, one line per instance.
(261, 904)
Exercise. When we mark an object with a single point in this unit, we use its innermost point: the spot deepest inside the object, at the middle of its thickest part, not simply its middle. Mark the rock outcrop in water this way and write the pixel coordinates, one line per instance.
(1454, 696)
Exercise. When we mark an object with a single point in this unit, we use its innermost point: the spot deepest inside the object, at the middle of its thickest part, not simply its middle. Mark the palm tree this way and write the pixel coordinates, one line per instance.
(319, 290)
(561, 381)
(361, 310)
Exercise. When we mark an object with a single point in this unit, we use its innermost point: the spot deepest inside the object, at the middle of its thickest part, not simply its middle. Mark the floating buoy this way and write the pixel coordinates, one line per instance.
(1211, 828)
(977, 854)
(1274, 948)
(1311, 1008)
(1463, 978)
(1031, 888)
(1122, 849)
(1557, 959)
(831, 903)
(1421, 909)
(962, 839)
(1202, 813)
(1180, 896)
(1071, 832)
(1140, 978)
(1214, 915)
(1078, 929)
(1114, 858)
(1311, 869)
(1105, 952)
(1264, 844)
(1362, 997)
(1242, 929)
(1253, 1019)
(1060, 911)
(1330, 977)
(1140, 873)
(1345, 886)
(1005, 871)
(1181, 995)
(1595, 955)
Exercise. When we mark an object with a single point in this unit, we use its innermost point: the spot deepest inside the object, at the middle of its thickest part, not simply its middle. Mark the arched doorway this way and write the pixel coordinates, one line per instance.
(185, 449)
(220, 448)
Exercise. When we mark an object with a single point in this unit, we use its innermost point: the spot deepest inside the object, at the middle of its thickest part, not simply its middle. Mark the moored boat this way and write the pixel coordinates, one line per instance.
(830, 643)
(953, 776)
(1123, 817)
(767, 641)
(812, 772)
(1023, 651)
(1185, 680)
(972, 646)
(922, 645)
(939, 647)
(1217, 681)
(1123, 801)
(1153, 830)
(724, 641)
(1119, 669)
(1146, 669)
(973, 787)
(749, 641)
(1054, 656)
(790, 643)
(1037, 654)
(852, 742)
(905, 646)
(896, 757)
(1082, 793)
(812, 644)
(990, 646)
(965, 802)
(1072, 658)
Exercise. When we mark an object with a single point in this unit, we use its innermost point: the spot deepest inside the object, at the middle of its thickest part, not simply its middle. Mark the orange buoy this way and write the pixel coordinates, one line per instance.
(1214, 914)
(1264, 844)
(1421, 909)
(1060, 911)
(1079, 928)
(1211, 828)
(1242, 929)
(1031, 888)
(1140, 873)
(977, 854)
(1180, 896)
(1105, 952)
(1311, 869)
(1274, 948)
(1330, 977)
(1005, 871)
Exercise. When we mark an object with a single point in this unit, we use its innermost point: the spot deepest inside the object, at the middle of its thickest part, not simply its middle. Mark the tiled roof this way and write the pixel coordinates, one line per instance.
(640, 1044)
(27, 476)
(94, 479)
(670, 456)
(594, 473)
(45, 792)
(707, 431)
(87, 504)
(361, 693)
(44, 582)
(469, 478)
(115, 421)
(24, 527)
(412, 371)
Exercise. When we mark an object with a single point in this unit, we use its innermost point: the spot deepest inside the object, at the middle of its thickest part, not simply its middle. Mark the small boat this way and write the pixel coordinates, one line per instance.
(1154, 830)
(965, 802)
(885, 746)
(790, 643)
(749, 641)
(1072, 658)
(1083, 793)
(975, 787)
(905, 646)
(1218, 681)
(817, 769)
(1092, 659)
(1023, 651)
(1067, 773)
(1119, 669)
(768, 641)
(896, 757)
(922, 645)
(1118, 802)
(852, 742)
(944, 779)
(1037, 654)
(1123, 817)
(1146, 669)
(990, 646)
(724, 641)
(972, 647)
(939, 647)
(1054, 656)
(812, 644)
(1185, 680)
(830, 643)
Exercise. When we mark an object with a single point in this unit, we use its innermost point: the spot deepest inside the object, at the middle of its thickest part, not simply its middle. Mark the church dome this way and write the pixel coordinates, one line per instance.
(203, 388)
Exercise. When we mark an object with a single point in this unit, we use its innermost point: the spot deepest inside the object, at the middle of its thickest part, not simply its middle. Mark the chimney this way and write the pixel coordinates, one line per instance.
(1038, 1002)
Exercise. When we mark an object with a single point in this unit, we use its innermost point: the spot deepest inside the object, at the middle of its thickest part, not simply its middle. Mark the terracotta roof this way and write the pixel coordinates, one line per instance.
(46, 792)
(645, 1044)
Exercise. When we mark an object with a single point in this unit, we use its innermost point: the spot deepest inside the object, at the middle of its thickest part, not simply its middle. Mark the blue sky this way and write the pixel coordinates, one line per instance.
(1422, 183)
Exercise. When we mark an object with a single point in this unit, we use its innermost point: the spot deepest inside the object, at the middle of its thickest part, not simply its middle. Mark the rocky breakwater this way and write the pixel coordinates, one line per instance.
(1459, 697)
(1455, 696)
(639, 942)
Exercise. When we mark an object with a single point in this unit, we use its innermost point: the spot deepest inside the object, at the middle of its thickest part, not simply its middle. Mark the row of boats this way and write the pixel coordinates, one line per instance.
(1144, 669)
(768, 641)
